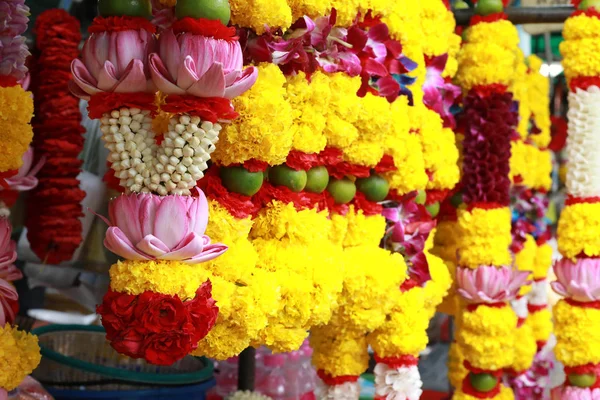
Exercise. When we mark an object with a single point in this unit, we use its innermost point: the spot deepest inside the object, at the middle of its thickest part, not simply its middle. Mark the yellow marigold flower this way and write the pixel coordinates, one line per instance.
(264, 128)
(19, 354)
(475, 59)
(257, 14)
(437, 24)
(525, 260)
(223, 340)
(578, 229)
(16, 105)
(541, 324)
(224, 227)
(502, 33)
(438, 287)
(310, 8)
(339, 351)
(456, 367)
(364, 230)
(543, 261)
(16, 110)
(485, 237)
(486, 337)
(525, 348)
(506, 393)
(581, 57)
(343, 110)
(577, 334)
(580, 27)
(404, 330)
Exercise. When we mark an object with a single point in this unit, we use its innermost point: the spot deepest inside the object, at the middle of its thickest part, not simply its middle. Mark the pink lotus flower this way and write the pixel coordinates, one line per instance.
(25, 179)
(8, 253)
(579, 280)
(150, 227)
(488, 284)
(575, 393)
(9, 303)
(200, 66)
(113, 62)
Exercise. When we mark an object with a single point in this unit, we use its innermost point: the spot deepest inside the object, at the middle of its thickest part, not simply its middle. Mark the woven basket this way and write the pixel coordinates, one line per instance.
(80, 357)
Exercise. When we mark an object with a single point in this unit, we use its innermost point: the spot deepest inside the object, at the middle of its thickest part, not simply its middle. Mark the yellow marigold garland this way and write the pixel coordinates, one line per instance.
(540, 323)
(525, 348)
(543, 261)
(340, 352)
(577, 230)
(19, 356)
(16, 110)
(525, 260)
(506, 393)
(577, 334)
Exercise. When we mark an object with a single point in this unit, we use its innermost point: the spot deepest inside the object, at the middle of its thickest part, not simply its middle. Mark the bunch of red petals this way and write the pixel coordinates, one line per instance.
(489, 126)
(54, 207)
(159, 328)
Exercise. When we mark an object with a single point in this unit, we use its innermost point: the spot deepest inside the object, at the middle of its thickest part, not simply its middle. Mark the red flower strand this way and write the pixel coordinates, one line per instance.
(159, 328)
(120, 24)
(54, 206)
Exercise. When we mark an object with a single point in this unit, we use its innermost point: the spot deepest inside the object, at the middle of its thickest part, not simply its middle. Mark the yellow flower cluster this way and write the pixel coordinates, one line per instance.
(16, 110)
(437, 289)
(525, 348)
(578, 230)
(446, 244)
(438, 25)
(532, 165)
(19, 356)
(456, 367)
(581, 49)
(543, 261)
(540, 323)
(525, 260)
(339, 352)
(539, 88)
(487, 337)
(264, 128)
(485, 237)
(488, 56)
(577, 334)
(506, 393)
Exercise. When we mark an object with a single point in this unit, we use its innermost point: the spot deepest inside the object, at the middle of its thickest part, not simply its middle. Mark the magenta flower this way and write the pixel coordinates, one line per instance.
(114, 62)
(8, 253)
(150, 227)
(578, 280)
(25, 179)
(8, 303)
(575, 393)
(488, 284)
(200, 66)
(438, 95)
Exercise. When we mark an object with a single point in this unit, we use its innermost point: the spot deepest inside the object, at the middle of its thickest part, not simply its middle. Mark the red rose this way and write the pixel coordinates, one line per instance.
(203, 311)
(167, 347)
(129, 343)
(116, 311)
(160, 313)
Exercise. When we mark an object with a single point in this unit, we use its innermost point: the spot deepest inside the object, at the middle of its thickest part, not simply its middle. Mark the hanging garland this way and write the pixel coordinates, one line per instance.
(54, 207)
(577, 342)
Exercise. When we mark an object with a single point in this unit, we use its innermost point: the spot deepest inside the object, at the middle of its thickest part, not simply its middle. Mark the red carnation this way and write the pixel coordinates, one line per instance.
(129, 343)
(155, 313)
(203, 311)
(166, 348)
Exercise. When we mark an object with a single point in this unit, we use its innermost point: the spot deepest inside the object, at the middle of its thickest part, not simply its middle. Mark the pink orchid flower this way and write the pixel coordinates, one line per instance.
(579, 279)
(25, 179)
(150, 227)
(438, 95)
(200, 66)
(8, 253)
(9, 303)
(488, 284)
(113, 62)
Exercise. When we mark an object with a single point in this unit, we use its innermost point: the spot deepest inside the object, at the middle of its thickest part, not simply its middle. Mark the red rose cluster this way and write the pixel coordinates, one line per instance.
(54, 207)
(159, 328)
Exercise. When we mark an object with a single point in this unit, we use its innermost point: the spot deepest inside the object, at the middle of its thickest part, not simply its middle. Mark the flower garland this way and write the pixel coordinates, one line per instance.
(577, 346)
(54, 207)
(18, 349)
(158, 226)
(485, 277)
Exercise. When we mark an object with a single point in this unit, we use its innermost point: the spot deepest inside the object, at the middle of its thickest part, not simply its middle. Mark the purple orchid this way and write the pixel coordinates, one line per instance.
(409, 229)
(439, 95)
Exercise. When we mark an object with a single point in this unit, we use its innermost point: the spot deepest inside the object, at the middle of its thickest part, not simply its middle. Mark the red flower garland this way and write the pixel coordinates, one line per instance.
(205, 27)
(159, 328)
(120, 24)
(54, 207)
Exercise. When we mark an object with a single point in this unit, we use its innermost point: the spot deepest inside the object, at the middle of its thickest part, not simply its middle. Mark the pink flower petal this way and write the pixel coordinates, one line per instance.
(133, 80)
(186, 76)
(84, 80)
(107, 79)
(191, 246)
(153, 247)
(169, 53)
(244, 83)
(210, 253)
(8, 296)
(198, 214)
(117, 242)
(160, 77)
(212, 84)
(171, 223)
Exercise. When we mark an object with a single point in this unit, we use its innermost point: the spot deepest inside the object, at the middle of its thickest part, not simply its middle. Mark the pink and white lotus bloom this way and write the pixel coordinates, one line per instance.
(575, 393)
(200, 66)
(8, 253)
(578, 280)
(25, 178)
(150, 227)
(488, 284)
(114, 62)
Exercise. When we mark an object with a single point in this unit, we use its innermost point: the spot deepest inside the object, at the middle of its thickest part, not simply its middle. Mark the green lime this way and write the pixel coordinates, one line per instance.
(488, 7)
(421, 197)
(483, 382)
(375, 188)
(131, 8)
(342, 190)
(207, 9)
(461, 5)
(282, 175)
(582, 380)
(318, 179)
(433, 209)
(240, 180)
(586, 4)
